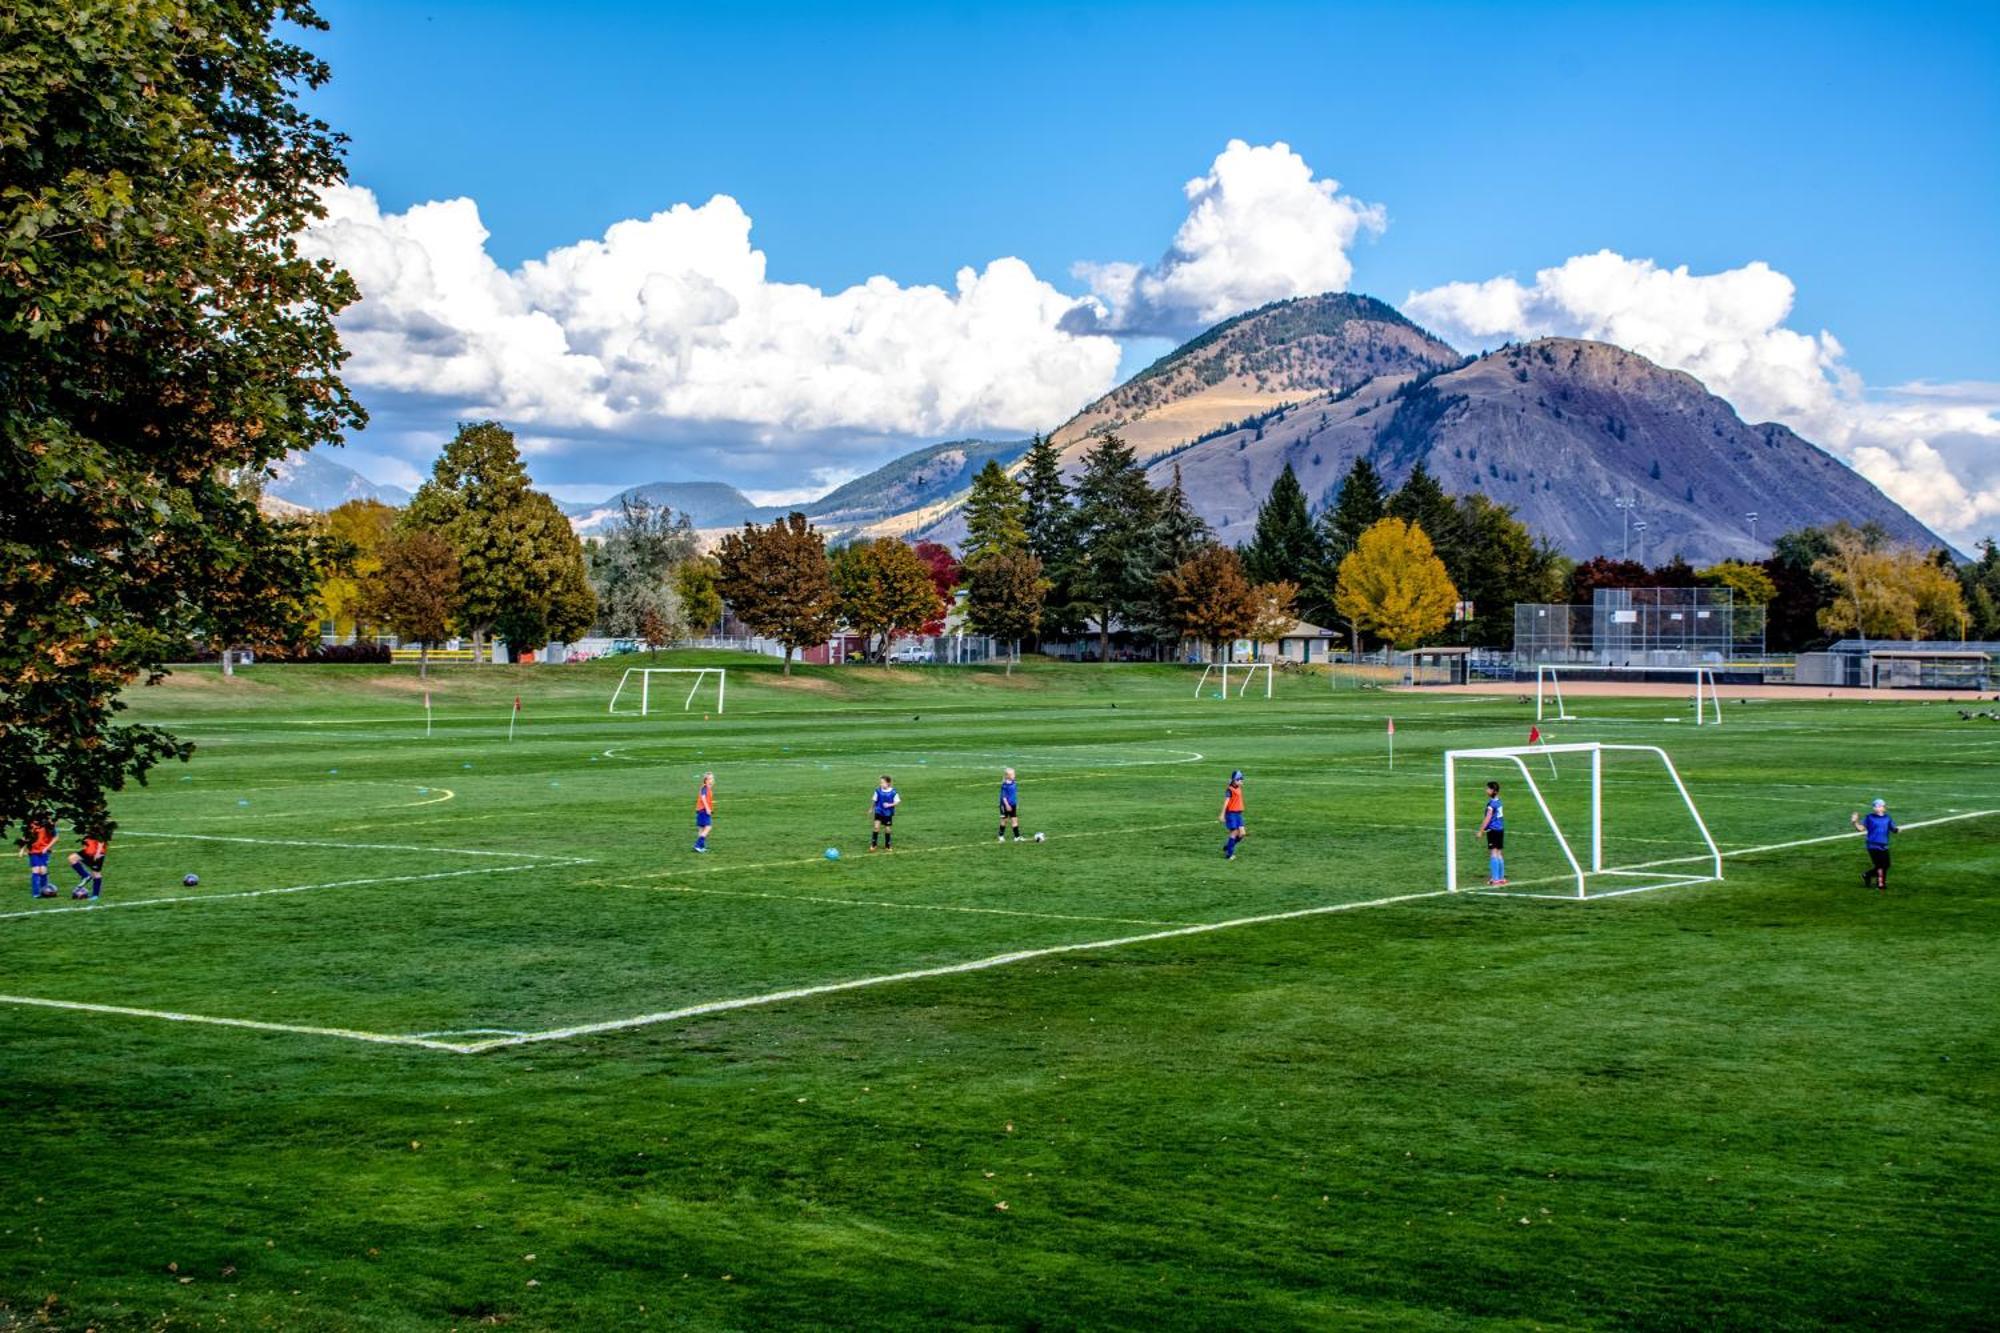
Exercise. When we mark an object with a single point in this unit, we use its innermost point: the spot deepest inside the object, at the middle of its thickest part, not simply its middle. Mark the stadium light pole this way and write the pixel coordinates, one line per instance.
(1752, 516)
(1625, 510)
(1639, 526)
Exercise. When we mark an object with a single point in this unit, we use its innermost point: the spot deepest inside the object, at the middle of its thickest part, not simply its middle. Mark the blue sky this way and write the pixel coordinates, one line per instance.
(1853, 149)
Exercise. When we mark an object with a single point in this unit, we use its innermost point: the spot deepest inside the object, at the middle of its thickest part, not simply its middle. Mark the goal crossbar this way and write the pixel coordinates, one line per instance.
(1518, 755)
(1548, 686)
(1249, 670)
(646, 674)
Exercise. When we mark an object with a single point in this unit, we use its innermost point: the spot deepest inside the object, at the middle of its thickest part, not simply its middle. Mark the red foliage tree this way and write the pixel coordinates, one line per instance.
(945, 576)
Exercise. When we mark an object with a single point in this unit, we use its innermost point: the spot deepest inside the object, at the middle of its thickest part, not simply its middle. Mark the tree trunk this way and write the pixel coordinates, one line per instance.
(424, 660)
(478, 637)
(1104, 637)
(788, 659)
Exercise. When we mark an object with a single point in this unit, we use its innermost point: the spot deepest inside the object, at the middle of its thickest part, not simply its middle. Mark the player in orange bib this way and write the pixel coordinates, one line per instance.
(704, 811)
(38, 839)
(88, 863)
(1231, 817)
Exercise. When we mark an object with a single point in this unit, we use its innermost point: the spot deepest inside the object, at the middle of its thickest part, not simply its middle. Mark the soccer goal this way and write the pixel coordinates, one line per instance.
(1246, 675)
(1549, 690)
(1597, 879)
(643, 691)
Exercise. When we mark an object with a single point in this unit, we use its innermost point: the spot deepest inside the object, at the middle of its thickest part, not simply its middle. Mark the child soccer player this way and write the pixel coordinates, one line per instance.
(37, 838)
(1494, 826)
(704, 811)
(89, 867)
(1010, 805)
(1875, 826)
(886, 801)
(1231, 817)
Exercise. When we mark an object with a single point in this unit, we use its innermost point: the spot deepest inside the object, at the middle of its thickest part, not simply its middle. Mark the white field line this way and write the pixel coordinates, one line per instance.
(907, 907)
(169, 1016)
(449, 794)
(1727, 853)
(922, 974)
(102, 906)
(351, 846)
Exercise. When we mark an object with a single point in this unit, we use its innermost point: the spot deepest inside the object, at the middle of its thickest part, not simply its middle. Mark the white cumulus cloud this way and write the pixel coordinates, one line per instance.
(672, 319)
(1259, 228)
(1933, 449)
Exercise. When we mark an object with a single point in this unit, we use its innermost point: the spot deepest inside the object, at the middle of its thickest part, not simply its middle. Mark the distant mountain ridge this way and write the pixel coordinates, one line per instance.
(708, 504)
(313, 481)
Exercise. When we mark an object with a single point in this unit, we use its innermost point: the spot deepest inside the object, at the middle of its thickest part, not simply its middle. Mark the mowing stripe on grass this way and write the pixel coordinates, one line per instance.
(351, 846)
(905, 851)
(102, 906)
(906, 907)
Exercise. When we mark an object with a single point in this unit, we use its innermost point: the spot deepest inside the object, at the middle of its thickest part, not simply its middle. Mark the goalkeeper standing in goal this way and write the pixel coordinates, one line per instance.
(1494, 826)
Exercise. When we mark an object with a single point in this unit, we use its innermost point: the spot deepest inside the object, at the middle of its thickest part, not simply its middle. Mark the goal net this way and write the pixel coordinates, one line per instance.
(1549, 677)
(1600, 820)
(1243, 673)
(637, 695)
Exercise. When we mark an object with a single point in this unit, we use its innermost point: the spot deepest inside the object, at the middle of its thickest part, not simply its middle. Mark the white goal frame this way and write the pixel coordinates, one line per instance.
(646, 675)
(1249, 670)
(1518, 755)
(1551, 673)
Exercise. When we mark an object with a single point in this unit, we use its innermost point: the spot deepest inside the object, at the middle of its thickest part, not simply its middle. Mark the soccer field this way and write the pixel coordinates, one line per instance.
(456, 1028)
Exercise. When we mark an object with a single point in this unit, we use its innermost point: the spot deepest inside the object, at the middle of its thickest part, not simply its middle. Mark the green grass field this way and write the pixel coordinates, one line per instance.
(456, 1031)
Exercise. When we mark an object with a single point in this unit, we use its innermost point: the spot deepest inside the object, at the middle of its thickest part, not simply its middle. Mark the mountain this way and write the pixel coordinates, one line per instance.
(1558, 429)
(1249, 366)
(312, 481)
(710, 504)
(912, 482)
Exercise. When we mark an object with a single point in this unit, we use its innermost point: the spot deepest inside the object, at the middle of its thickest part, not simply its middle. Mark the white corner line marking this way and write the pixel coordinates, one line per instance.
(349, 846)
(101, 906)
(297, 1029)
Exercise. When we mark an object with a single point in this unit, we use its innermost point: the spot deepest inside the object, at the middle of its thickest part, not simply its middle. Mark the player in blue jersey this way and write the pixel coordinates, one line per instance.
(884, 810)
(1494, 826)
(1232, 815)
(704, 811)
(1875, 828)
(1010, 805)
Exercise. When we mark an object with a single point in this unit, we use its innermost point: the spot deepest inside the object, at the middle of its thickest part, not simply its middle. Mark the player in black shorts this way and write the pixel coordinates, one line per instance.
(88, 863)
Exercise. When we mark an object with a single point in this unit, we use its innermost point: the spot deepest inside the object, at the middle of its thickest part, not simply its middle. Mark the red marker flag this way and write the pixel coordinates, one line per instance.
(517, 703)
(1392, 726)
(1534, 735)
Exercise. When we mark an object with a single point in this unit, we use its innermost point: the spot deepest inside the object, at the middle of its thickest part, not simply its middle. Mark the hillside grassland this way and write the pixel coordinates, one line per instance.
(456, 1031)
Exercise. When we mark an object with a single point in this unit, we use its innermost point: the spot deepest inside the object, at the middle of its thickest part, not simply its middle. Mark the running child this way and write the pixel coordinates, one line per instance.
(884, 808)
(1010, 805)
(38, 838)
(89, 867)
(1494, 826)
(1875, 826)
(704, 811)
(1231, 817)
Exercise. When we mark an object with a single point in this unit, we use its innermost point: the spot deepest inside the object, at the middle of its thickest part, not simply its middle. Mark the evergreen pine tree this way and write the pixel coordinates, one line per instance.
(1178, 534)
(1115, 513)
(1281, 548)
(1358, 505)
(995, 514)
(1050, 516)
(1423, 502)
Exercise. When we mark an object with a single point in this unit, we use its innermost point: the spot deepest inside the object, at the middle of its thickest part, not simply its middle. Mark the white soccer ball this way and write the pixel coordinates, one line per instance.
(1041, 837)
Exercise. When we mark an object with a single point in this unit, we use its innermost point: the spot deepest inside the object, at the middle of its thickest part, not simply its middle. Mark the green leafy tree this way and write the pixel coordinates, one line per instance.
(633, 569)
(1750, 583)
(413, 589)
(1003, 597)
(1422, 502)
(694, 584)
(883, 589)
(1980, 580)
(1393, 584)
(995, 513)
(1501, 564)
(1283, 544)
(1792, 620)
(354, 536)
(161, 338)
(1357, 506)
(521, 567)
(1117, 561)
(776, 577)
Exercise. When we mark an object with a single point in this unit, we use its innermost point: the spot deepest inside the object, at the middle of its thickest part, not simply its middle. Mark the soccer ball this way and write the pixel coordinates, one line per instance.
(79, 892)
(48, 892)
(833, 853)
(1041, 837)
(190, 880)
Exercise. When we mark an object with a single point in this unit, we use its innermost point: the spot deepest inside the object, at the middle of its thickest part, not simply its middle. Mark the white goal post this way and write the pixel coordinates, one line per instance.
(645, 690)
(1247, 670)
(1518, 755)
(1548, 686)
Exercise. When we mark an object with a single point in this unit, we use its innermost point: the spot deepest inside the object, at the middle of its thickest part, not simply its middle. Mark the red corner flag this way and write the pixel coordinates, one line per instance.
(517, 703)
(1534, 735)
(1392, 726)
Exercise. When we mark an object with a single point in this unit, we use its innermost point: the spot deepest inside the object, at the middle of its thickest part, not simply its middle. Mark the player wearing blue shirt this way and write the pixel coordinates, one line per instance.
(1494, 826)
(1875, 828)
(884, 809)
(1010, 805)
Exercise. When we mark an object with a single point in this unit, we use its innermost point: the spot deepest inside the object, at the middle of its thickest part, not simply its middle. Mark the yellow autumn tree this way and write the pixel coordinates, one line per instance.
(1393, 583)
